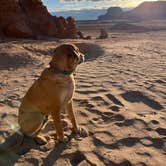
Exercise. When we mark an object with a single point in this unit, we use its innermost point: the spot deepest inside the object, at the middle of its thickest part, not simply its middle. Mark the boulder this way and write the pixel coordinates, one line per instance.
(103, 34)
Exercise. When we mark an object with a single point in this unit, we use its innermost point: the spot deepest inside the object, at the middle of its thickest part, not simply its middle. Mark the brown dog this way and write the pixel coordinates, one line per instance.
(51, 94)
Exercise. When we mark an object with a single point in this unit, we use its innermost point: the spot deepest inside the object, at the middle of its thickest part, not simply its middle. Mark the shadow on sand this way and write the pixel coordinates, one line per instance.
(11, 157)
(21, 145)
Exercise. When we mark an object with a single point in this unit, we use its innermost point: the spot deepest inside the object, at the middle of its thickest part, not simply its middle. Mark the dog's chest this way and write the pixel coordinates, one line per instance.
(67, 94)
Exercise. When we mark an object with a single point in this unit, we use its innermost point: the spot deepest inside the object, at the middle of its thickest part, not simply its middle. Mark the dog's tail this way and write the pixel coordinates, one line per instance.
(12, 143)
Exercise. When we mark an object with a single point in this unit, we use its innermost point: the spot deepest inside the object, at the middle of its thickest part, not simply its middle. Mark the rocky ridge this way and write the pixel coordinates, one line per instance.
(145, 11)
(24, 19)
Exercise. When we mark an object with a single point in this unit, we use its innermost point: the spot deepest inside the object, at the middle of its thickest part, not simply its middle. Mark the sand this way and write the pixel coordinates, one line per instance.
(120, 98)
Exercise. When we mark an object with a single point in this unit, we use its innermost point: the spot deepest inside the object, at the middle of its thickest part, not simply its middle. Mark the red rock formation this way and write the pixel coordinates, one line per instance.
(60, 26)
(30, 18)
(1, 32)
(12, 19)
(71, 28)
(40, 21)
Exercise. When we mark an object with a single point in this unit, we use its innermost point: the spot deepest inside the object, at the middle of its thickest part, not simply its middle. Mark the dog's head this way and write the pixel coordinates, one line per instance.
(66, 57)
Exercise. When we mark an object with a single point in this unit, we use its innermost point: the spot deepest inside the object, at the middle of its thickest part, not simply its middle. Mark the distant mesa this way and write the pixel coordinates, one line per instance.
(145, 11)
(30, 18)
(112, 13)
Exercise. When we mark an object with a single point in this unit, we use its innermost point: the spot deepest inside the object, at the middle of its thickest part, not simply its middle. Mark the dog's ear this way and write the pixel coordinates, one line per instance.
(54, 59)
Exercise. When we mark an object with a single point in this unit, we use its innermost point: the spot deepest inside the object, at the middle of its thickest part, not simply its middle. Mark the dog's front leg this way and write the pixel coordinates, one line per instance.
(72, 116)
(58, 125)
(80, 130)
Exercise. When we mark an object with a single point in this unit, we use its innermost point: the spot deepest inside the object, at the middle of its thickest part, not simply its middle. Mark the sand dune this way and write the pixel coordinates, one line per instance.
(120, 98)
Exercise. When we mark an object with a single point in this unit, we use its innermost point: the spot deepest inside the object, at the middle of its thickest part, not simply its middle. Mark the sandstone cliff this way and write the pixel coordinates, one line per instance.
(30, 18)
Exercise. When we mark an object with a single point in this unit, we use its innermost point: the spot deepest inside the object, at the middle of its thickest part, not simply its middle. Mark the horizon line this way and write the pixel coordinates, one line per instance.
(62, 10)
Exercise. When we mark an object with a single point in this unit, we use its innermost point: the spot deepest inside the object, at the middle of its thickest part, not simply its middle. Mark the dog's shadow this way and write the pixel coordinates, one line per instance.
(15, 146)
(21, 145)
(59, 156)
(55, 154)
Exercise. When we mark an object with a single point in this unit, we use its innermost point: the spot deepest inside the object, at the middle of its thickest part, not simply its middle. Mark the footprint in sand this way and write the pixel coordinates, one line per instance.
(161, 131)
(127, 122)
(114, 99)
(136, 97)
(154, 122)
(77, 158)
(100, 101)
(91, 91)
(106, 119)
(115, 108)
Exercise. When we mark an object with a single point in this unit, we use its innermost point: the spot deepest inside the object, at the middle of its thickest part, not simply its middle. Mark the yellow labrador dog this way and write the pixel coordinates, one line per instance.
(51, 94)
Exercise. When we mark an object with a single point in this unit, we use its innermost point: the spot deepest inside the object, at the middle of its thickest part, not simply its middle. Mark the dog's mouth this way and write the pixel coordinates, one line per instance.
(72, 67)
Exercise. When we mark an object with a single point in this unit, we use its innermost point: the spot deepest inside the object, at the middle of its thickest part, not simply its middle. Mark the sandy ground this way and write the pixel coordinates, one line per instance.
(120, 98)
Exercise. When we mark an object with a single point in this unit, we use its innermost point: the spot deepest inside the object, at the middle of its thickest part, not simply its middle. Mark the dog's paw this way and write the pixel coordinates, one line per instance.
(65, 124)
(40, 140)
(82, 131)
(64, 140)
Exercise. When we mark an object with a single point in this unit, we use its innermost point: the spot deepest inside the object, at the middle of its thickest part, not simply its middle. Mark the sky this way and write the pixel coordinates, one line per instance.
(63, 5)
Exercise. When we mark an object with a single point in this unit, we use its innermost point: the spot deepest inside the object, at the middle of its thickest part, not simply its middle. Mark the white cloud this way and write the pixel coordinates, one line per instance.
(91, 4)
(102, 3)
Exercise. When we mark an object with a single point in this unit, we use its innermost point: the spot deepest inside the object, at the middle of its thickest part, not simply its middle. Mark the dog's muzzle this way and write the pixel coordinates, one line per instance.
(82, 58)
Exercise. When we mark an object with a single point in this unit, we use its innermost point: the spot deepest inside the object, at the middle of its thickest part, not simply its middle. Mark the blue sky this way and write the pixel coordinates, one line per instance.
(62, 5)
